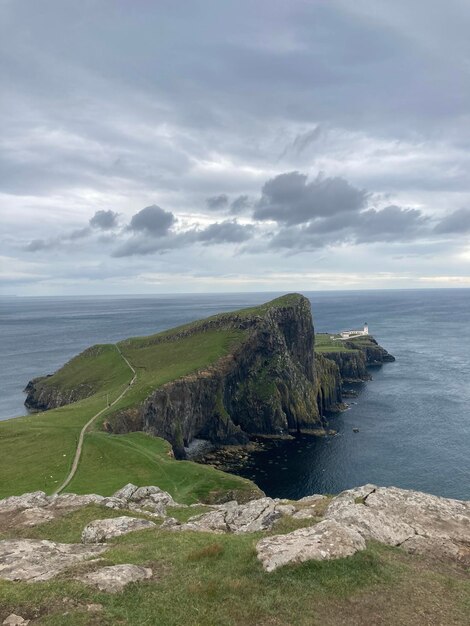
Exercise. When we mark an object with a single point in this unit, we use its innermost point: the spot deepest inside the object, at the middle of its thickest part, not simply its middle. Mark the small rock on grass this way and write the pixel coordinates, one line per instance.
(15, 620)
(100, 530)
(114, 578)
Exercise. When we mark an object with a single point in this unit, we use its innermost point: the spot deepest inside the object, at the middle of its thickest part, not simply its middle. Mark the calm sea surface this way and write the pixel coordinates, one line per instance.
(413, 417)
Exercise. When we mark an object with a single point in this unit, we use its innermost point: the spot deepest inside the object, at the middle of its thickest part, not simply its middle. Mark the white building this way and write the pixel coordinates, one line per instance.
(348, 334)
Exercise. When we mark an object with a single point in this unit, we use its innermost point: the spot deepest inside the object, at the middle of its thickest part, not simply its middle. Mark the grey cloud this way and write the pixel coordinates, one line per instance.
(390, 224)
(217, 202)
(230, 232)
(456, 222)
(143, 244)
(105, 220)
(240, 204)
(290, 199)
(152, 220)
(305, 140)
(226, 232)
(39, 244)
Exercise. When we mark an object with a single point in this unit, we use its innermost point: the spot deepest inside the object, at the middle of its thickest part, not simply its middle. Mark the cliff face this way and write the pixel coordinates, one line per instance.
(328, 385)
(358, 355)
(41, 397)
(267, 386)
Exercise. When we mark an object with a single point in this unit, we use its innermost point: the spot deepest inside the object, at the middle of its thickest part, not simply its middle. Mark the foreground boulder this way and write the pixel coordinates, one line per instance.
(26, 501)
(326, 540)
(115, 577)
(100, 530)
(419, 522)
(34, 560)
(234, 518)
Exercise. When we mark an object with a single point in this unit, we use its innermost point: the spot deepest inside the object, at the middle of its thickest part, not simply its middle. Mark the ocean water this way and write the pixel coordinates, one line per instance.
(413, 417)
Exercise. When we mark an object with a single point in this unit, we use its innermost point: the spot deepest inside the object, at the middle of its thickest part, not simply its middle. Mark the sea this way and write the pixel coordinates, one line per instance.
(413, 417)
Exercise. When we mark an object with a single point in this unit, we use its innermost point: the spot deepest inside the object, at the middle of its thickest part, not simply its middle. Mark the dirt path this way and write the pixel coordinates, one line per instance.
(78, 452)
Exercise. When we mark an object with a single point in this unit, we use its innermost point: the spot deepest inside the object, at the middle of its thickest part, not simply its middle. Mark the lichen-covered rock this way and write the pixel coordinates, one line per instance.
(26, 501)
(126, 492)
(100, 530)
(34, 560)
(326, 540)
(72, 500)
(397, 516)
(234, 518)
(114, 578)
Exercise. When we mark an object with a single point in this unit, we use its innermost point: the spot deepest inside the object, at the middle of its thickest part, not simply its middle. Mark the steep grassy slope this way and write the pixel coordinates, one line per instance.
(36, 451)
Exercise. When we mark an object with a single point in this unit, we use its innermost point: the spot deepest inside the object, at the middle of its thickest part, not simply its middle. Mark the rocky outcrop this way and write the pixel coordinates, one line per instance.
(400, 517)
(34, 560)
(100, 530)
(417, 522)
(235, 518)
(358, 355)
(114, 578)
(324, 541)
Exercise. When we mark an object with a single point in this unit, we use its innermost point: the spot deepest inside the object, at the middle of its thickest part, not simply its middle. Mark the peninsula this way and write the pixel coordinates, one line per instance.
(258, 371)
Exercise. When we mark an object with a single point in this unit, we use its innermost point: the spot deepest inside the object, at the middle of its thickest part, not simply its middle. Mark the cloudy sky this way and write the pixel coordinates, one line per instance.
(162, 146)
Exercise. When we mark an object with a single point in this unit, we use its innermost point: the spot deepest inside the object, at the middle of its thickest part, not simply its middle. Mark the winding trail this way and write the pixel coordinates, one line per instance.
(78, 452)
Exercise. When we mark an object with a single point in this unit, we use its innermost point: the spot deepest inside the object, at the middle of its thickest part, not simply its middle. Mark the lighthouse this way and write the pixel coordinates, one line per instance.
(366, 328)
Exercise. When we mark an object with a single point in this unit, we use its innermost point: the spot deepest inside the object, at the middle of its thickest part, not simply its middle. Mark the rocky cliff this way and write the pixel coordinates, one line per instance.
(267, 385)
(356, 357)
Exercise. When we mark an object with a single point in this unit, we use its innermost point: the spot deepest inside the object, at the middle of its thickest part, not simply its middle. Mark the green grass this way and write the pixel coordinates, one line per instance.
(202, 579)
(110, 461)
(37, 450)
(99, 369)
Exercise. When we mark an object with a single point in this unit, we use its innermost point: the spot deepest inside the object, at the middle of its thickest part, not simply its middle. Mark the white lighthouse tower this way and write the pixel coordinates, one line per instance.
(366, 328)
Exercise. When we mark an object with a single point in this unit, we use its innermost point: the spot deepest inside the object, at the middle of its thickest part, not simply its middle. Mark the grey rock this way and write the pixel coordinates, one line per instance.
(286, 509)
(72, 500)
(442, 548)
(125, 492)
(15, 620)
(100, 530)
(152, 494)
(26, 501)
(148, 508)
(114, 503)
(114, 578)
(34, 560)
(253, 516)
(326, 540)
(307, 512)
(396, 516)
(34, 517)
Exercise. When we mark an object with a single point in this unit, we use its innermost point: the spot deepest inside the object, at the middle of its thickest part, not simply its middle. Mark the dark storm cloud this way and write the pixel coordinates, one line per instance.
(217, 202)
(152, 220)
(290, 199)
(105, 220)
(455, 223)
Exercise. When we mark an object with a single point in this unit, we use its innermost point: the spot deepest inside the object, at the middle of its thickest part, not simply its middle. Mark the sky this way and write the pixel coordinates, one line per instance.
(218, 146)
